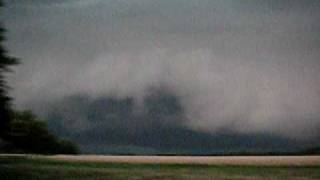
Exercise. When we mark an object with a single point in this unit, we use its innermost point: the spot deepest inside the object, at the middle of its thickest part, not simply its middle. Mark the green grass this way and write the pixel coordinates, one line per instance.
(37, 168)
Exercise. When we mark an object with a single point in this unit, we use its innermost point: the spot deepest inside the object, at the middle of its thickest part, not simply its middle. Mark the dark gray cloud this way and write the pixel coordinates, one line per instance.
(111, 125)
(246, 67)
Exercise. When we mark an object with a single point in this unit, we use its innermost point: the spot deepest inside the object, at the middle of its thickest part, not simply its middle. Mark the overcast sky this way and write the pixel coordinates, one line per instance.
(243, 66)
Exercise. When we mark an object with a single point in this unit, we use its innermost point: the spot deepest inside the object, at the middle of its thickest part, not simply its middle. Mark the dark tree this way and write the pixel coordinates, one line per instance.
(29, 134)
(23, 132)
(6, 62)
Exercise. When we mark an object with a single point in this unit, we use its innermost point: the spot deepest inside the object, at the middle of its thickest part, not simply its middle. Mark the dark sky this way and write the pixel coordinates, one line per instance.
(110, 73)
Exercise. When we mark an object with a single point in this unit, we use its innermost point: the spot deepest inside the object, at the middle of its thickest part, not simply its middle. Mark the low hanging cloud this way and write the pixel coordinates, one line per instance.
(247, 68)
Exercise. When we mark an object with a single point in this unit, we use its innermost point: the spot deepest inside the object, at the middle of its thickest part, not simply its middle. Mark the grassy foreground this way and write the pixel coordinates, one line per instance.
(37, 168)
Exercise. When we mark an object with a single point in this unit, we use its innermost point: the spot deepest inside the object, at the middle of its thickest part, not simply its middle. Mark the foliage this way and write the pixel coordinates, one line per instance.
(28, 134)
(23, 132)
(6, 62)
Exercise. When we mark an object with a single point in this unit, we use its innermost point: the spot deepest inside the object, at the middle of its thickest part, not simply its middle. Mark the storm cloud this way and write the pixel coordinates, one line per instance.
(236, 66)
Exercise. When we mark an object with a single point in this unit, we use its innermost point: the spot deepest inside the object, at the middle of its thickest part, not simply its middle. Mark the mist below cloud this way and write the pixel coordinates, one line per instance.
(111, 125)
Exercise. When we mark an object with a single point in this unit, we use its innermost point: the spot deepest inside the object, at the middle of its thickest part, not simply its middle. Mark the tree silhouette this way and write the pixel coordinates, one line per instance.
(29, 134)
(6, 62)
(23, 131)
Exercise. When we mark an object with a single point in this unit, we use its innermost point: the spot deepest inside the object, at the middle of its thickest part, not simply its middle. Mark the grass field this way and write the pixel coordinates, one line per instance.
(28, 167)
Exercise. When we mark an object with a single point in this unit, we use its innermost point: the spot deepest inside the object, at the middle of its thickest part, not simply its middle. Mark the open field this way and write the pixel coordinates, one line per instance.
(209, 160)
(159, 167)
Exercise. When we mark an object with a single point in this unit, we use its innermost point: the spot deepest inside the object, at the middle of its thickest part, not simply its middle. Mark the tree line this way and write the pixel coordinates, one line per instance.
(23, 131)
